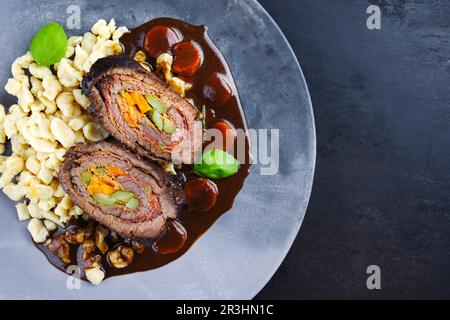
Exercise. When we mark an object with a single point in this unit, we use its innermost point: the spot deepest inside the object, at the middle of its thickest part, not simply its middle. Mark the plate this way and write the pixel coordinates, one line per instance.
(244, 248)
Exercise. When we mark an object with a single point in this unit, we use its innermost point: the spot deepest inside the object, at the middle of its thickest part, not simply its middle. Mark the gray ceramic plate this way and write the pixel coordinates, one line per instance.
(244, 248)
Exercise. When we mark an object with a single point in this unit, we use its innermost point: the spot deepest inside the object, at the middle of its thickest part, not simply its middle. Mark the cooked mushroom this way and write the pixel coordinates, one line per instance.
(89, 245)
(100, 234)
(59, 246)
(79, 235)
(121, 256)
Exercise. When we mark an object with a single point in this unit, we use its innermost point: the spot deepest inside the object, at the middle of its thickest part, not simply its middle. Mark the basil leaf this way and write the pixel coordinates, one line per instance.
(216, 164)
(49, 45)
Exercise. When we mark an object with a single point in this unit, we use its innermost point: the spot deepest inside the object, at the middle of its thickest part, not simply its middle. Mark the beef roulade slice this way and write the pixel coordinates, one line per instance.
(142, 112)
(130, 196)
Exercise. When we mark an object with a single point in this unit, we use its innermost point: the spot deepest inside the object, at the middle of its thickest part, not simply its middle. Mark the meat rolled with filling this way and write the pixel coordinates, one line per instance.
(130, 196)
(142, 112)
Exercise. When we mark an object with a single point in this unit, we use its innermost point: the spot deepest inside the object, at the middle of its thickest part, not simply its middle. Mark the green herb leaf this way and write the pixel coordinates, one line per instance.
(216, 164)
(49, 45)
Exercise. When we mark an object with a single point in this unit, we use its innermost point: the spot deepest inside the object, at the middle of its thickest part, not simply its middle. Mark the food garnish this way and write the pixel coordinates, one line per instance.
(49, 45)
(216, 164)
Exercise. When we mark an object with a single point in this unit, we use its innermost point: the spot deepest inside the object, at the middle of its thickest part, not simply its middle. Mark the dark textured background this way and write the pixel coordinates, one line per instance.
(381, 193)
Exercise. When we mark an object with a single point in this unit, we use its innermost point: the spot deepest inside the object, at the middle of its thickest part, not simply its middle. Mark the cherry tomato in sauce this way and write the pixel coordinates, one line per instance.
(216, 90)
(228, 134)
(173, 240)
(160, 39)
(186, 58)
(201, 194)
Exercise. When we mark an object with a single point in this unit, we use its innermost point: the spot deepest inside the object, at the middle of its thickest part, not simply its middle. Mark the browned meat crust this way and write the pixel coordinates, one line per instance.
(159, 197)
(111, 75)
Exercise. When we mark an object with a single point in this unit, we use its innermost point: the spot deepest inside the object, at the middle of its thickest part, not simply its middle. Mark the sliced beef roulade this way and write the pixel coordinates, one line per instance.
(142, 112)
(128, 195)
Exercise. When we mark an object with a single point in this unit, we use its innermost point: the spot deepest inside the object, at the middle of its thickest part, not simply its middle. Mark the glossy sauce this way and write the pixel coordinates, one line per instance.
(201, 194)
(213, 77)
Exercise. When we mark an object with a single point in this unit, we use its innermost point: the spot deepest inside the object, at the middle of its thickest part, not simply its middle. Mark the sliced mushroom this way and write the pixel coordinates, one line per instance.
(121, 256)
(100, 234)
(80, 235)
(59, 246)
(89, 245)
(74, 237)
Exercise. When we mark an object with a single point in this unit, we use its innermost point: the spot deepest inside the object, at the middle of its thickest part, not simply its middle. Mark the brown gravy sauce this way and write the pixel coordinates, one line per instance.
(181, 234)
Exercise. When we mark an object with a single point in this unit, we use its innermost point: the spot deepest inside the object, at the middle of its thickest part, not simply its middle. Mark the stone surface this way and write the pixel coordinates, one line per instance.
(381, 189)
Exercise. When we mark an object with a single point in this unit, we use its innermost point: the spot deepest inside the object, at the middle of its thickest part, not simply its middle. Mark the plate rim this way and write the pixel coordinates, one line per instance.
(309, 110)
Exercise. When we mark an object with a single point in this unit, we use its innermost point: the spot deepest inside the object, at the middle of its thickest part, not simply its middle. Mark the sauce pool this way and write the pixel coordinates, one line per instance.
(208, 73)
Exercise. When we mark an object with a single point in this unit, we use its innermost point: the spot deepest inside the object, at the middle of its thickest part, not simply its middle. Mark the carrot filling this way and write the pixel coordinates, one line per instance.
(102, 185)
(138, 105)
